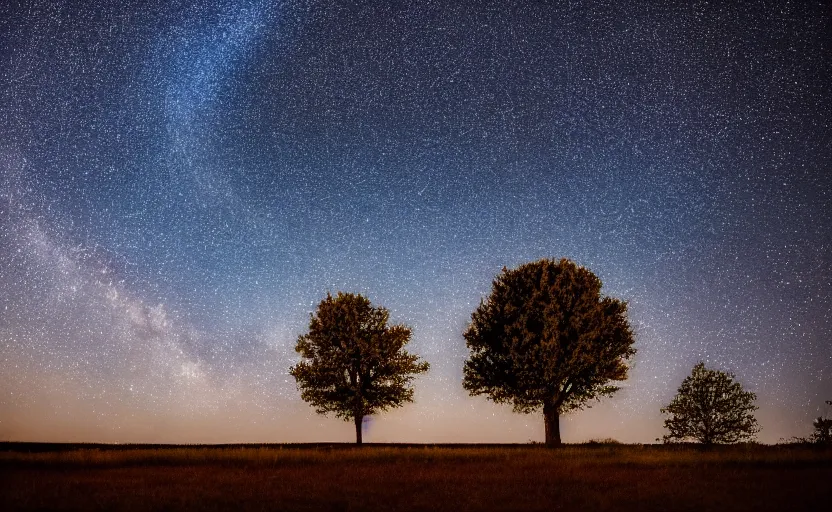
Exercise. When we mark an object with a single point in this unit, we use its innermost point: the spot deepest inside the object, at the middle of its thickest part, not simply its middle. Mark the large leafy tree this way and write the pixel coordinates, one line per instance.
(711, 408)
(352, 363)
(547, 338)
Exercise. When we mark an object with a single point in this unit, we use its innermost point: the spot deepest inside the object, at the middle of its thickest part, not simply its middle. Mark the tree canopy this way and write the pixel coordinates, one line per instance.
(823, 429)
(546, 337)
(711, 408)
(352, 363)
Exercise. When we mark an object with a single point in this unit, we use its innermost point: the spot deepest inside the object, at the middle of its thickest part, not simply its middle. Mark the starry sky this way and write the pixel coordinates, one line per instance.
(181, 182)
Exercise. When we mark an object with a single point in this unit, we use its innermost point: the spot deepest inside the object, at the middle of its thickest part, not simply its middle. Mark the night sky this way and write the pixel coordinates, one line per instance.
(181, 182)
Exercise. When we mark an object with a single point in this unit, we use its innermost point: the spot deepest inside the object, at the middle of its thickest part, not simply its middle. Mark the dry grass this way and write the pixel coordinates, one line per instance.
(338, 477)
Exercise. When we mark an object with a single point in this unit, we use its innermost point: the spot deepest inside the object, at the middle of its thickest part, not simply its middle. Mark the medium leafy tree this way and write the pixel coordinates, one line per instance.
(711, 408)
(823, 429)
(352, 362)
(547, 338)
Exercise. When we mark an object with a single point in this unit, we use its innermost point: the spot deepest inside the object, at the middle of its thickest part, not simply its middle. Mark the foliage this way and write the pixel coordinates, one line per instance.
(546, 337)
(823, 429)
(710, 407)
(353, 364)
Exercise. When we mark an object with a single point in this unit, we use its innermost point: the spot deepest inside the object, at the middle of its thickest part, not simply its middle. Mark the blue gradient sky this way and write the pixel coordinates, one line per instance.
(182, 182)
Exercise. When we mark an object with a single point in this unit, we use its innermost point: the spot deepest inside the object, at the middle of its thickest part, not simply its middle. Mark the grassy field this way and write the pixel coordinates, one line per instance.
(417, 477)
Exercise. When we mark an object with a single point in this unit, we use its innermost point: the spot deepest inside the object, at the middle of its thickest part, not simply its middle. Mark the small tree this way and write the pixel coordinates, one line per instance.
(710, 407)
(546, 338)
(823, 429)
(353, 363)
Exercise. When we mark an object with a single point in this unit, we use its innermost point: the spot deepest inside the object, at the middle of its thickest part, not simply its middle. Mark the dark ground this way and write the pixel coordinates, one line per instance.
(37, 476)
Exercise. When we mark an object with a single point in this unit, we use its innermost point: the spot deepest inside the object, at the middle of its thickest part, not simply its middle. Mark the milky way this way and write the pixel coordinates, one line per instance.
(182, 182)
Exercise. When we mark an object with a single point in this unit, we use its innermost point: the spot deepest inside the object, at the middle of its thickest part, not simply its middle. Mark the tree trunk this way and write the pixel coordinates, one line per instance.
(551, 420)
(358, 421)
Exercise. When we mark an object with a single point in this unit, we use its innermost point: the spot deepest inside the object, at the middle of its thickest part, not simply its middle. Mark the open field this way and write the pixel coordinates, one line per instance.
(413, 477)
